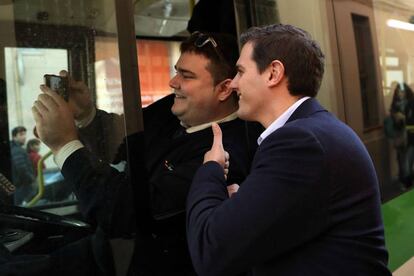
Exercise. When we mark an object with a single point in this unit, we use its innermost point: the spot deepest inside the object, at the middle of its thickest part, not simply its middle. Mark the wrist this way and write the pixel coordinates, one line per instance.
(58, 147)
(65, 151)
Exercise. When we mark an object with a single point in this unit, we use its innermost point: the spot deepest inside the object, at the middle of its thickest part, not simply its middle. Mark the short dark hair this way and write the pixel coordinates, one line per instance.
(222, 64)
(17, 130)
(31, 143)
(300, 54)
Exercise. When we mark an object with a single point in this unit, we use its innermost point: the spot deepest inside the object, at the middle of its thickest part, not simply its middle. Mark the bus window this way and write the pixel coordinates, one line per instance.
(156, 59)
(159, 28)
(39, 210)
(25, 68)
(367, 71)
(38, 38)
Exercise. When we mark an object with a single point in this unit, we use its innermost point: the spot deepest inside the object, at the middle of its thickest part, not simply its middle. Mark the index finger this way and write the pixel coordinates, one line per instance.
(55, 96)
(63, 73)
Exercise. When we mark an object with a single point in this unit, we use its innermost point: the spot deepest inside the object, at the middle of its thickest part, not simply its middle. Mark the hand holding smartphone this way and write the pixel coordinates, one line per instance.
(58, 84)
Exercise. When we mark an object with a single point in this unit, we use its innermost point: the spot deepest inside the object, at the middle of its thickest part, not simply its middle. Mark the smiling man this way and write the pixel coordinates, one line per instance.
(177, 133)
(310, 204)
(201, 88)
(202, 95)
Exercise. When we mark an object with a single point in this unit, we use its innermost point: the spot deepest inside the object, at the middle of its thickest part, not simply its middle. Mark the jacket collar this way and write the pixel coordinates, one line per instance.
(307, 108)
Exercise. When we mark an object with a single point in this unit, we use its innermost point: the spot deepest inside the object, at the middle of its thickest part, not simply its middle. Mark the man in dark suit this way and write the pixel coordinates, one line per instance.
(311, 204)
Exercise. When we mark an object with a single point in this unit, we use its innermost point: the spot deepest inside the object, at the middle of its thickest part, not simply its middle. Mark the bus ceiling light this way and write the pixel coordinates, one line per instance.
(400, 25)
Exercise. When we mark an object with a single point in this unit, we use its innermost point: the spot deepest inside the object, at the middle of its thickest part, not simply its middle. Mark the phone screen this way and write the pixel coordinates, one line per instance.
(58, 84)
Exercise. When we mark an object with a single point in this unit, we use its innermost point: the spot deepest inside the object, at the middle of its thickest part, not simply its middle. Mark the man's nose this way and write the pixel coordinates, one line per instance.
(233, 84)
(174, 83)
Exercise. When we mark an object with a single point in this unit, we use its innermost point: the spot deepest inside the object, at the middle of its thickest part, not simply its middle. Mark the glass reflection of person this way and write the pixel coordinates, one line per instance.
(409, 126)
(177, 133)
(397, 113)
(22, 169)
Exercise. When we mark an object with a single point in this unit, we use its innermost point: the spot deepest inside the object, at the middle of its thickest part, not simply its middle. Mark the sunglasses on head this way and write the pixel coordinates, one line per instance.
(202, 39)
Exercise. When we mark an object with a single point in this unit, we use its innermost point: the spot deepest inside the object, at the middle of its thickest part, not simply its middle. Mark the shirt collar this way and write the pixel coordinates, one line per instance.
(192, 129)
(87, 120)
(281, 120)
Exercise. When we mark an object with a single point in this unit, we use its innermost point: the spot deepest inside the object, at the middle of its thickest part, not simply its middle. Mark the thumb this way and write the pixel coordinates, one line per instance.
(64, 73)
(217, 140)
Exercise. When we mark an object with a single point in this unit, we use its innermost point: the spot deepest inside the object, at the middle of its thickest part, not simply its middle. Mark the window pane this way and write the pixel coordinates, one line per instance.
(367, 72)
(44, 37)
(156, 60)
(25, 68)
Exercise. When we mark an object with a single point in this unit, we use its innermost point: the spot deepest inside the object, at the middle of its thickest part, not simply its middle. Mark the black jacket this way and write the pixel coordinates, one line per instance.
(157, 185)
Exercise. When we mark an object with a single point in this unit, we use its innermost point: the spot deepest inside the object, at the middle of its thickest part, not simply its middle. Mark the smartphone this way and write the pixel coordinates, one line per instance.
(58, 84)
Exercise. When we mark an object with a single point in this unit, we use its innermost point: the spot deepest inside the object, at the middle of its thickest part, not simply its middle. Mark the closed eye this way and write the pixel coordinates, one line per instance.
(186, 74)
(239, 70)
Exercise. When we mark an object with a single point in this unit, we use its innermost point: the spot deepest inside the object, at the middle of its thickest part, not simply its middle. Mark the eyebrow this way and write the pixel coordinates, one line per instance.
(182, 70)
(239, 67)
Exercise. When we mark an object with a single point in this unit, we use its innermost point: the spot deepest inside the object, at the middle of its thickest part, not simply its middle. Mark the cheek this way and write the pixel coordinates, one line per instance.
(247, 83)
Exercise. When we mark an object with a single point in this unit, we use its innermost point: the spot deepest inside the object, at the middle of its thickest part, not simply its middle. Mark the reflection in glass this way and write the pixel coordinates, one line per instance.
(45, 37)
(25, 68)
(397, 63)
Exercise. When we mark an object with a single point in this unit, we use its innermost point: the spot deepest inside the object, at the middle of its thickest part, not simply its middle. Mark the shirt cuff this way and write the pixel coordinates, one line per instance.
(66, 151)
(87, 120)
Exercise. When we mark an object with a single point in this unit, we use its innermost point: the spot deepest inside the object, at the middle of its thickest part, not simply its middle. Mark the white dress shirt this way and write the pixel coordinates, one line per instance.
(281, 120)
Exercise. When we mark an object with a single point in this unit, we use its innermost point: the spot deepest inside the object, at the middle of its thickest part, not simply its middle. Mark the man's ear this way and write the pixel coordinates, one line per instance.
(223, 90)
(276, 72)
